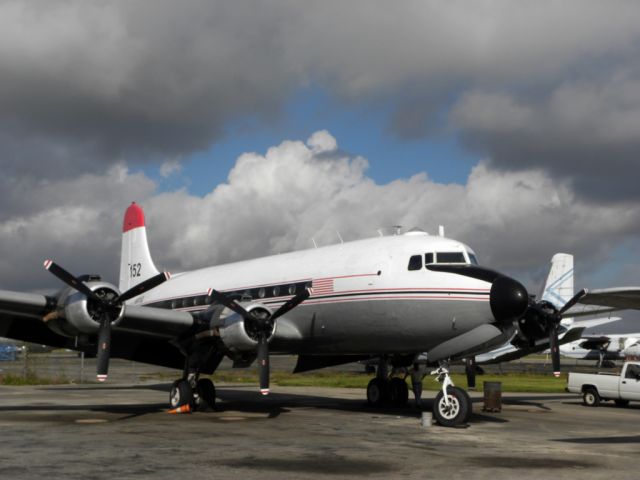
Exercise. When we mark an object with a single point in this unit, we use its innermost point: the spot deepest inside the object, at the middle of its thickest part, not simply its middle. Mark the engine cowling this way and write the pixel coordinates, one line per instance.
(78, 315)
(240, 335)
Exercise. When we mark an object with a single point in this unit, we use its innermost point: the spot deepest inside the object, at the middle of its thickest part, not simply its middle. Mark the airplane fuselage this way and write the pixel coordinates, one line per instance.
(365, 299)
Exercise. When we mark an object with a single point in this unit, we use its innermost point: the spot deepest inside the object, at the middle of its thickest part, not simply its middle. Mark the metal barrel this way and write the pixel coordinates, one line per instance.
(492, 396)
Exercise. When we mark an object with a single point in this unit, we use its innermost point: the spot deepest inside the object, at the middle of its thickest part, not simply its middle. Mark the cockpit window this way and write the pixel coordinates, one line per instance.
(473, 259)
(415, 262)
(428, 258)
(450, 257)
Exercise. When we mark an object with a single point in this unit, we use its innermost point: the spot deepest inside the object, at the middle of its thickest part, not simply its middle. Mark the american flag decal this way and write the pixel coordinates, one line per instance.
(322, 286)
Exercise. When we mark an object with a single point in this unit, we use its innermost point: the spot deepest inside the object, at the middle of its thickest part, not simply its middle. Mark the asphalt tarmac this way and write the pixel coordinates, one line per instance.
(122, 431)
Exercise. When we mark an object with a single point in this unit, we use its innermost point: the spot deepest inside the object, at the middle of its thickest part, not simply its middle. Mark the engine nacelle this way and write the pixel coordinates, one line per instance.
(78, 315)
(240, 335)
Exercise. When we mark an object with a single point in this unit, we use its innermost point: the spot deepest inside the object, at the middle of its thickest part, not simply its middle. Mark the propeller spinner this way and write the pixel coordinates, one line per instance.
(549, 318)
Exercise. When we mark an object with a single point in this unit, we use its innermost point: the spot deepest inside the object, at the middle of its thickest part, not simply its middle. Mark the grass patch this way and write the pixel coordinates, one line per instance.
(527, 382)
(31, 379)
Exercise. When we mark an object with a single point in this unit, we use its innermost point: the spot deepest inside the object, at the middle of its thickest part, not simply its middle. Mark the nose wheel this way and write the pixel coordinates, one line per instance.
(452, 405)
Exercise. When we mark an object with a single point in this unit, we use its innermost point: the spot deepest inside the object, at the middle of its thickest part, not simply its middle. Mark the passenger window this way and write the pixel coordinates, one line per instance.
(415, 262)
(473, 259)
(451, 257)
(292, 289)
(261, 293)
(428, 258)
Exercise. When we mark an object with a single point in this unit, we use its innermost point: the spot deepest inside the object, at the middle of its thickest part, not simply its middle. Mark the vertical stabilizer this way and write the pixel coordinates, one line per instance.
(136, 264)
(558, 288)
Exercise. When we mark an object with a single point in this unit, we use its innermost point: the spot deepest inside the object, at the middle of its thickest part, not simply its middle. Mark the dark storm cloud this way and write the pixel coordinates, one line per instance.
(583, 131)
(135, 79)
(147, 81)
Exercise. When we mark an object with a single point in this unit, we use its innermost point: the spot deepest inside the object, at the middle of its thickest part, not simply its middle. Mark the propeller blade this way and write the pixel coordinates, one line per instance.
(555, 349)
(291, 303)
(263, 364)
(575, 299)
(104, 347)
(70, 280)
(143, 287)
(229, 303)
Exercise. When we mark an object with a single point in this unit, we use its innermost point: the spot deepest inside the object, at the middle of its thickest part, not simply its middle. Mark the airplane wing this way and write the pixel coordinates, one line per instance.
(619, 298)
(509, 352)
(145, 332)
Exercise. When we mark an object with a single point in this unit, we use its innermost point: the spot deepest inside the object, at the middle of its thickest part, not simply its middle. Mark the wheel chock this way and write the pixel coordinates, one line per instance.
(181, 409)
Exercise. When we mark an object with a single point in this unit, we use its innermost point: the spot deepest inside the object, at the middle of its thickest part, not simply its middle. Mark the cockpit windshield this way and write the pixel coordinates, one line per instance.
(450, 257)
(415, 261)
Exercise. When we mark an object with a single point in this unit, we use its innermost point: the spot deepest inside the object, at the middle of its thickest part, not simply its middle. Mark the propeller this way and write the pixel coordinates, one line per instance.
(263, 324)
(107, 308)
(549, 318)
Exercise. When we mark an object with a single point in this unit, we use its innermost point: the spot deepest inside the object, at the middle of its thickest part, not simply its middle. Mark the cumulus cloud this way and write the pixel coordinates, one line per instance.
(170, 167)
(279, 201)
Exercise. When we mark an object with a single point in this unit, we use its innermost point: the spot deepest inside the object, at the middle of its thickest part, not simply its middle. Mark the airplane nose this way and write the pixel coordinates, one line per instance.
(508, 299)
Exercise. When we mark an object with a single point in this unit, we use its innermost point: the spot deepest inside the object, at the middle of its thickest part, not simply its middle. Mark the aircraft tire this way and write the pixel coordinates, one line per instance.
(206, 393)
(590, 397)
(180, 394)
(399, 391)
(378, 392)
(458, 411)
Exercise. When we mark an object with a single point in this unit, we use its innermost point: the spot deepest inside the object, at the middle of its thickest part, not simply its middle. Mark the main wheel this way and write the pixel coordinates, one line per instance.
(591, 398)
(206, 394)
(458, 410)
(378, 392)
(399, 391)
(180, 394)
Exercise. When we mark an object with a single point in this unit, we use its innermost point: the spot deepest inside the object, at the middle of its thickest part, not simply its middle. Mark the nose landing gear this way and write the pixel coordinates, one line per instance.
(452, 405)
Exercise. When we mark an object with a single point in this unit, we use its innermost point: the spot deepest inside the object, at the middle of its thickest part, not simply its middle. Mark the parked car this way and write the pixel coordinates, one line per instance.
(597, 387)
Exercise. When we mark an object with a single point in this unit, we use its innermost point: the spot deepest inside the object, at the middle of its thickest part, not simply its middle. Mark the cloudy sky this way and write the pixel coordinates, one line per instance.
(249, 128)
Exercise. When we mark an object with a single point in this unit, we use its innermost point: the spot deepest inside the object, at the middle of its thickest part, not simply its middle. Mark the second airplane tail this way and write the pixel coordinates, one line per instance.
(558, 289)
(136, 264)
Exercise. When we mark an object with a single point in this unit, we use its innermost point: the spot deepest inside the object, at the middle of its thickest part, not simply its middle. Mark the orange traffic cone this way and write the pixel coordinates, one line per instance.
(181, 409)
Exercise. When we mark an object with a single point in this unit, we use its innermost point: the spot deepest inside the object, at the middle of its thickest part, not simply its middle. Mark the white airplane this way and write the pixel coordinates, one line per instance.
(603, 348)
(389, 297)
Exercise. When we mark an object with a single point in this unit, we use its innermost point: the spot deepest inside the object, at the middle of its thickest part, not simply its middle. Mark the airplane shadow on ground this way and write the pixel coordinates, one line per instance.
(242, 400)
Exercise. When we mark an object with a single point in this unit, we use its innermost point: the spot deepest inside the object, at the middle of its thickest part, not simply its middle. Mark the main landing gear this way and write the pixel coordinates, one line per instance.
(191, 392)
(197, 393)
(384, 389)
(452, 406)
(387, 391)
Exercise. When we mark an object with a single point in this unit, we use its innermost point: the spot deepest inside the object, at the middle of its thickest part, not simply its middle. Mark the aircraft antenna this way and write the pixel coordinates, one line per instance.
(314, 242)
(339, 236)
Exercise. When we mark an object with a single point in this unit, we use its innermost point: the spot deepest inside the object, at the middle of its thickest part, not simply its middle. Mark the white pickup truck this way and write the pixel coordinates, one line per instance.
(595, 387)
